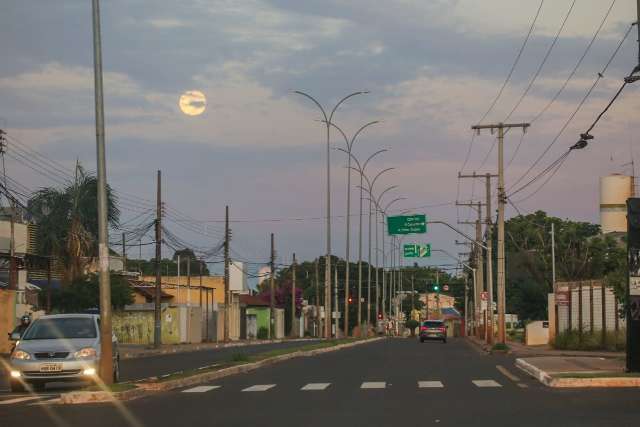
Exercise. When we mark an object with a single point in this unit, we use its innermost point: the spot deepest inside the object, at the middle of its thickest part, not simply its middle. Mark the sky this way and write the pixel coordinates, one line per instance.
(433, 69)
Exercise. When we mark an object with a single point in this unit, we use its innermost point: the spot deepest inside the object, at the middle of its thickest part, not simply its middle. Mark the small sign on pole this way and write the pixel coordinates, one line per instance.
(417, 251)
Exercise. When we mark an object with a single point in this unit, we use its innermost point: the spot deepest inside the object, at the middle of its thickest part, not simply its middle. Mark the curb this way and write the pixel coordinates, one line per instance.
(144, 388)
(602, 382)
(204, 347)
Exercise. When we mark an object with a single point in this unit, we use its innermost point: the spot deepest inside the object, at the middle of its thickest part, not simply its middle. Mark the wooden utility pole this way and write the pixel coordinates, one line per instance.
(502, 200)
(227, 296)
(317, 279)
(293, 295)
(157, 314)
(489, 284)
(124, 254)
(272, 291)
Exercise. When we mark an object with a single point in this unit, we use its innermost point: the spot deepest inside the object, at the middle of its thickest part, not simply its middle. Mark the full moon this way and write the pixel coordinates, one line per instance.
(192, 103)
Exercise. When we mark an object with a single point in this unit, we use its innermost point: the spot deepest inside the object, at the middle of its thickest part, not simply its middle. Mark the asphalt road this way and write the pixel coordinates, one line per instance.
(144, 367)
(463, 387)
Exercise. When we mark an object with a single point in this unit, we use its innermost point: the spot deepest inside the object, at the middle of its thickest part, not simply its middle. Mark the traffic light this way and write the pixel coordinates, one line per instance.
(350, 300)
(436, 287)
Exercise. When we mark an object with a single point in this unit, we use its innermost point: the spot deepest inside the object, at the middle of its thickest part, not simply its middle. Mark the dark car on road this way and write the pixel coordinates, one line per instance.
(433, 330)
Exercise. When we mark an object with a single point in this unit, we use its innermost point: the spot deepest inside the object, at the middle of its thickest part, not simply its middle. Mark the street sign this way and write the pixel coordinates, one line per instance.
(417, 251)
(411, 224)
(445, 288)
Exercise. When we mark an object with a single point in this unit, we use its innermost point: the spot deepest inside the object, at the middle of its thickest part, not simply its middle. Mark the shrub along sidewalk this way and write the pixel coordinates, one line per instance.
(587, 341)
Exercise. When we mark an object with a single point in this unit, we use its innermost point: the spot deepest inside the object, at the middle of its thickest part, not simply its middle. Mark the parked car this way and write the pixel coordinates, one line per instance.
(58, 348)
(433, 330)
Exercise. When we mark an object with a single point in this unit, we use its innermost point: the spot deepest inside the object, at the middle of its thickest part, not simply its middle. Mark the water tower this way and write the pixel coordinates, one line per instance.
(615, 189)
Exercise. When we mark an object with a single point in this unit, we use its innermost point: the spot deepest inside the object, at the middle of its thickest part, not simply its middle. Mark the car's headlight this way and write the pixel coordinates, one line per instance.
(85, 353)
(21, 355)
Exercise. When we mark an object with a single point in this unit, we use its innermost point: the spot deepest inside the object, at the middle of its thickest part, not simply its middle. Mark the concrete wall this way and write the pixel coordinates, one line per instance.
(7, 319)
(137, 327)
(183, 294)
(587, 295)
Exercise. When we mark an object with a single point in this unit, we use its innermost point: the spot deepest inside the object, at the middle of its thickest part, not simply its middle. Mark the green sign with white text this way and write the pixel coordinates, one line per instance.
(411, 224)
(417, 251)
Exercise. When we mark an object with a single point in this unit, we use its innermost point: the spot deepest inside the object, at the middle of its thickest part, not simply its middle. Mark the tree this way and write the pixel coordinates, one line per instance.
(67, 222)
(84, 293)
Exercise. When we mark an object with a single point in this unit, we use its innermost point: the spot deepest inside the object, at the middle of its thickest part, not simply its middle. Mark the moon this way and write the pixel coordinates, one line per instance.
(192, 103)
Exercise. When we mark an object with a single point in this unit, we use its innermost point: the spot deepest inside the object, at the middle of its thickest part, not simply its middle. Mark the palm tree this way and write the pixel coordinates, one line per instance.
(67, 221)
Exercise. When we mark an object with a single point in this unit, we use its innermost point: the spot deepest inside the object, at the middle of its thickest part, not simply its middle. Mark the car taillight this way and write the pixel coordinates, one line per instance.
(423, 328)
(443, 329)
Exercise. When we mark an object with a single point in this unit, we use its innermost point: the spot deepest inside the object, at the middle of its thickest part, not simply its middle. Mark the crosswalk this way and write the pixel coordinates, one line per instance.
(366, 385)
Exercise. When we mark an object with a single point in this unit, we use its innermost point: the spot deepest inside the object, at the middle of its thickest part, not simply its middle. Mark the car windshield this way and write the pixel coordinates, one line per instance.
(433, 324)
(64, 327)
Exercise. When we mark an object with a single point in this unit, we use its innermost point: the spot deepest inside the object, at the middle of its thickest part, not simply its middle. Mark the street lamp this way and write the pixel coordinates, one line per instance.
(384, 216)
(327, 271)
(349, 144)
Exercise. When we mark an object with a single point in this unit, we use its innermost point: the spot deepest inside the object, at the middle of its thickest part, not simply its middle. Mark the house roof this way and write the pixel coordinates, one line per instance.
(253, 301)
(147, 290)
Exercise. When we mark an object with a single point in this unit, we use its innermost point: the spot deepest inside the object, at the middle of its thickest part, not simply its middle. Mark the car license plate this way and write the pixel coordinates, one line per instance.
(51, 367)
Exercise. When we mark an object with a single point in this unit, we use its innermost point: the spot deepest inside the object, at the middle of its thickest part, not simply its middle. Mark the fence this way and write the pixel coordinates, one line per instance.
(587, 306)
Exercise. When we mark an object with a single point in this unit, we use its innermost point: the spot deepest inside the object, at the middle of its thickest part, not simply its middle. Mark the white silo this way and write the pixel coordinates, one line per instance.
(615, 189)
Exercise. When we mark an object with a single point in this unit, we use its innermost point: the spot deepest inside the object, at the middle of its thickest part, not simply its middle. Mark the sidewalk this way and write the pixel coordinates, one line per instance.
(134, 351)
(520, 350)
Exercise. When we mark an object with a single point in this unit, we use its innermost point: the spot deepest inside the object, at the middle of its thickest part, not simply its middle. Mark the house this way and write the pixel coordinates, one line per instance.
(257, 314)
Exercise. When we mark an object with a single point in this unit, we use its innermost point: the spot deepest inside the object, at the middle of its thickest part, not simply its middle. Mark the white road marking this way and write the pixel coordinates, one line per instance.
(315, 386)
(201, 389)
(45, 402)
(523, 385)
(430, 384)
(260, 387)
(504, 371)
(18, 400)
(374, 385)
(486, 383)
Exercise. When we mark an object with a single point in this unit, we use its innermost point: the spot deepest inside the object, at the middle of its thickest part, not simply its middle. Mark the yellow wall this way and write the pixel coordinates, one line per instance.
(7, 319)
(180, 294)
(137, 327)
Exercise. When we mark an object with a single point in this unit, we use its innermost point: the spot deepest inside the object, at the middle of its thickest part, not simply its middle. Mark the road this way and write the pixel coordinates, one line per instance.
(144, 367)
(392, 382)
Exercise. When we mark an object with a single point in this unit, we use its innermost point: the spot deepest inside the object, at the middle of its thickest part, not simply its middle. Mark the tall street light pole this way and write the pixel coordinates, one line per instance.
(327, 275)
(360, 169)
(349, 143)
(106, 360)
(384, 212)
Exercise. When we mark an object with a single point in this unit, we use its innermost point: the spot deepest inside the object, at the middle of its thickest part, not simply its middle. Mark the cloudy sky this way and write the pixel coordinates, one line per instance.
(433, 68)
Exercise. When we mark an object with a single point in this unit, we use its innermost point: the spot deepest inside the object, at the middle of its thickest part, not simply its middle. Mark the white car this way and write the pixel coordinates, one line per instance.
(57, 348)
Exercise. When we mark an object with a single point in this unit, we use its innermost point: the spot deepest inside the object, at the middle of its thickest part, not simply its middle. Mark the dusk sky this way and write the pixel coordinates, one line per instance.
(433, 69)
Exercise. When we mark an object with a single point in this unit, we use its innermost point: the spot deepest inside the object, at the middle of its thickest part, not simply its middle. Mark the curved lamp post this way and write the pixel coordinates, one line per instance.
(349, 143)
(384, 216)
(327, 271)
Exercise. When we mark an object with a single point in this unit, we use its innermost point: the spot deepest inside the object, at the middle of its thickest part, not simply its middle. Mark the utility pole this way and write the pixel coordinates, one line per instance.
(106, 363)
(227, 296)
(179, 278)
(315, 265)
(124, 254)
(335, 300)
(293, 295)
(157, 315)
(272, 290)
(412, 293)
(553, 281)
(502, 200)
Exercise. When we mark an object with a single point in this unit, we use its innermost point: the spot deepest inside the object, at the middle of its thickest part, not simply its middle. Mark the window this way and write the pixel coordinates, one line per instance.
(62, 327)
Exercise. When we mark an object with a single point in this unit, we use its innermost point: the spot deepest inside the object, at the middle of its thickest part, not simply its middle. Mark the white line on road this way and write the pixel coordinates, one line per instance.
(260, 387)
(374, 385)
(18, 400)
(201, 389)
(504, 371)
(315, 386)
(486, 383)
(430, 384)
(45, 402)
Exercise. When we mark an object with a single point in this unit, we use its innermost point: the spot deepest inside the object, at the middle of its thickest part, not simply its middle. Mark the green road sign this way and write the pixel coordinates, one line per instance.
(407, 224)
(417, 251)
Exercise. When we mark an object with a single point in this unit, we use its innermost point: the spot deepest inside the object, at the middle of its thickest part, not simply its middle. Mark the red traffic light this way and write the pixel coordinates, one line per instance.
(350, 300)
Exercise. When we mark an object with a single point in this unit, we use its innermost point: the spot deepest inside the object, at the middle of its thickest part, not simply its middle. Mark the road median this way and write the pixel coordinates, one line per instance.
(237, 365)
(576, 372)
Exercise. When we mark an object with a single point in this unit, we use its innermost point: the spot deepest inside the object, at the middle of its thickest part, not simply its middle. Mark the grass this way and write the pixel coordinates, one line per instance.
(572, 340)
(500, 347)
(614, 374)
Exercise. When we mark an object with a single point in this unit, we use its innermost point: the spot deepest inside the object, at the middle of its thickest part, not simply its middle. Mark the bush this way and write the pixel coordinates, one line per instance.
(263, 333)
(239, 357)
(571, 340)
(500, 347)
